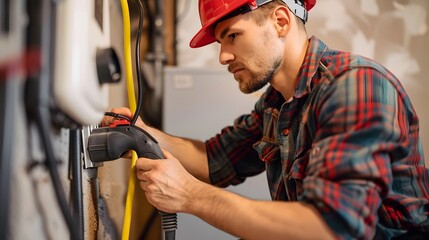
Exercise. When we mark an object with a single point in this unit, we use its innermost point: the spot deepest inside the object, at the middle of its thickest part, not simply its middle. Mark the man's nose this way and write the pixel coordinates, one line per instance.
(225, 57)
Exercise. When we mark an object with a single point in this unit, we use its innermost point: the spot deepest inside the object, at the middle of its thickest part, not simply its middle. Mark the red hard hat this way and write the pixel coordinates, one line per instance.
(213, 10)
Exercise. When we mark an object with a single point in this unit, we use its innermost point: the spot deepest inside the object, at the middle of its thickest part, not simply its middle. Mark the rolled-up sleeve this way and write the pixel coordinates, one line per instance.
(230, 153)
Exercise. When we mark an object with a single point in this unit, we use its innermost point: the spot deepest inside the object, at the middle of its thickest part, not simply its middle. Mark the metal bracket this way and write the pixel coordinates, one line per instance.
(87, 163)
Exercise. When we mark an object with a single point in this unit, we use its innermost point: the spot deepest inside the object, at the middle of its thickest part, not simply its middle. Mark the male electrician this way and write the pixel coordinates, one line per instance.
(335, 132)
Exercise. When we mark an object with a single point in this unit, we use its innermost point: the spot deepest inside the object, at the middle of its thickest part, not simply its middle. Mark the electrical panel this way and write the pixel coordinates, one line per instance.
(82, 33)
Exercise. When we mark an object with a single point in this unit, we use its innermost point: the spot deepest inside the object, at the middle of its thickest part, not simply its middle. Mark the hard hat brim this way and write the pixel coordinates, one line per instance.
(205, 35)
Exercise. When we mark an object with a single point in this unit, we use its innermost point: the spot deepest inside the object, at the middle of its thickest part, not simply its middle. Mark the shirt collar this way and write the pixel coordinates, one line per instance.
(308, 69)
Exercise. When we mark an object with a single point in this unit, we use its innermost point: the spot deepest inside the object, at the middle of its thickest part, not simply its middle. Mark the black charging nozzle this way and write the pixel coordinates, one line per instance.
(107, 144)
(110, 143)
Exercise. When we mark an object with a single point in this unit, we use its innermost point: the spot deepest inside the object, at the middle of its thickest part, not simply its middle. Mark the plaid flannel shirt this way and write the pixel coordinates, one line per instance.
(346, 142)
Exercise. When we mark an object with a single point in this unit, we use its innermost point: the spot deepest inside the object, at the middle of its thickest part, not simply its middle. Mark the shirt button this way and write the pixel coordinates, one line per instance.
(320, 204)
(286, 131)
(315, 151)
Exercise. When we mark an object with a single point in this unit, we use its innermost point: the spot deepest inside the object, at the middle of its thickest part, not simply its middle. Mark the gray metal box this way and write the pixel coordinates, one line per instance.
(198, 103)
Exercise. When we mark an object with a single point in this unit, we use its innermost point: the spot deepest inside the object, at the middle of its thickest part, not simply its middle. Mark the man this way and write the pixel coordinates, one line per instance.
(336, 134)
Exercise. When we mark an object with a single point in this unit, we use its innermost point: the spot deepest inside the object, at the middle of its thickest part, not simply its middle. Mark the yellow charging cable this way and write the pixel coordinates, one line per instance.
(126, 226)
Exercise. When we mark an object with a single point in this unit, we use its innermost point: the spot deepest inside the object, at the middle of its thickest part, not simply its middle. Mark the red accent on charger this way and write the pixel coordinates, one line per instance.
(121, 122)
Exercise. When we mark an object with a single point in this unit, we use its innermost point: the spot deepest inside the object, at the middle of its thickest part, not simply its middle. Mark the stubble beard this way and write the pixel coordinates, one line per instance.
(259, 80)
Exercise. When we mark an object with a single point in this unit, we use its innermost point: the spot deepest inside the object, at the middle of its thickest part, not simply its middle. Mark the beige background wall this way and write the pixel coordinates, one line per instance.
(394, 33)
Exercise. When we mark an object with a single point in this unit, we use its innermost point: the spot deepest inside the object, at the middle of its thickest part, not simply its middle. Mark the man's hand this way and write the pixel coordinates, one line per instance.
(107, 120)
(166, 183)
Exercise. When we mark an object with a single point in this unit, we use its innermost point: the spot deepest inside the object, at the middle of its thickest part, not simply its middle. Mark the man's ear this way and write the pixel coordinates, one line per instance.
(282, 19)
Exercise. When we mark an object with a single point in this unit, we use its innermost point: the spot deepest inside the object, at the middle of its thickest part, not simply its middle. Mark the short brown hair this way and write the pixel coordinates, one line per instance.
(261, 15)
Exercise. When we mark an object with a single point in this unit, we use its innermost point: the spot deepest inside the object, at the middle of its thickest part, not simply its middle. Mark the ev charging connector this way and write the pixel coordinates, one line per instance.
(110, 143)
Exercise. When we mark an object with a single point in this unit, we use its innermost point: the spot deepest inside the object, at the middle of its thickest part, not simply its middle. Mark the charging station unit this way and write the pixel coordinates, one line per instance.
(82, 31)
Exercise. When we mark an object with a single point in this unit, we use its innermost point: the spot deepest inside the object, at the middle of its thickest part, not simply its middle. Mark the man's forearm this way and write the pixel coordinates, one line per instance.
(191, 153)
(250, 219)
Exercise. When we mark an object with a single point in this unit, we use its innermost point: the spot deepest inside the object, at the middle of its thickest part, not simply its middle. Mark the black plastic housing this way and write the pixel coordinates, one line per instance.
(106, 144)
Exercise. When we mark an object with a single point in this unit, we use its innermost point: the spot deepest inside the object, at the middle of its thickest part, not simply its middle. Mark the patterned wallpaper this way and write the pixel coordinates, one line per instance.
(394, 33)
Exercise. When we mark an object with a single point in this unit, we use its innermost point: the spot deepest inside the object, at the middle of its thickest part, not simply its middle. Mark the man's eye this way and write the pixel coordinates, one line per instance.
(232, 36)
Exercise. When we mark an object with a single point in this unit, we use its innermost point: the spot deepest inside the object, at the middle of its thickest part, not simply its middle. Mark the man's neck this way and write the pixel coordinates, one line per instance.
(286, 79)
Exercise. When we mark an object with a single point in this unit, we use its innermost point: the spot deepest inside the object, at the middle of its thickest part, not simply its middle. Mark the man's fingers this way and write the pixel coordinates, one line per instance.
(144, 164)
(142, 175)
(167, 154)
(111, 118)
(122, 110)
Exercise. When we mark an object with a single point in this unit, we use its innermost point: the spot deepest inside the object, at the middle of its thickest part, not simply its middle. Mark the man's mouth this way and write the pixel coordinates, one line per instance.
(238, 71)
(235, 70)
